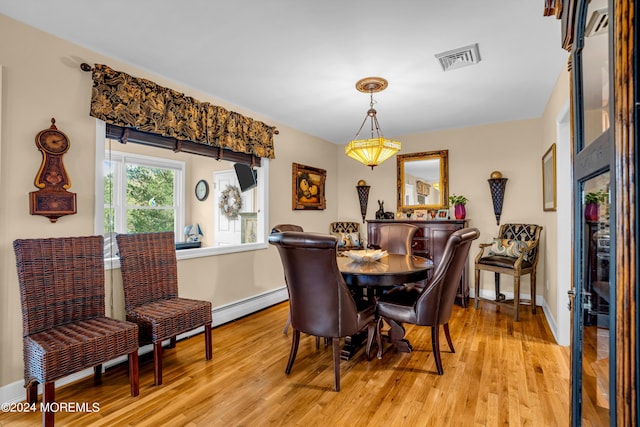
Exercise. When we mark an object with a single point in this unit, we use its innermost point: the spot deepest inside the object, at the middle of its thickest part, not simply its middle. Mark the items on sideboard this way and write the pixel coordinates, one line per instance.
(497, 185)
(381, 214)
(458, 203)
(52, 198)
(363, 197)
(514, 252)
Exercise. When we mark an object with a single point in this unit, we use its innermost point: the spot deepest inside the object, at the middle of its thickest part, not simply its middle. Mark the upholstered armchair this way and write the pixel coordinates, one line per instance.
(514, 252)
(348, 235)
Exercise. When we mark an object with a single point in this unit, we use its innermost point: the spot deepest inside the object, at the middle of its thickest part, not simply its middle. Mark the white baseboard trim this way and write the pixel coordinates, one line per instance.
(15, 392)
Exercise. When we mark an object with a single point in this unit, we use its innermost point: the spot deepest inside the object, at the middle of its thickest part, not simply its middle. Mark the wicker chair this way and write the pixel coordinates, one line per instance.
(63, 315)
(514, 252)
(150, 281)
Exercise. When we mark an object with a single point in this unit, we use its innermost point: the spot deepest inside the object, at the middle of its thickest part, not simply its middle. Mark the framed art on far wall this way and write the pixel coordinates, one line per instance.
(549, 179)
(308, 187)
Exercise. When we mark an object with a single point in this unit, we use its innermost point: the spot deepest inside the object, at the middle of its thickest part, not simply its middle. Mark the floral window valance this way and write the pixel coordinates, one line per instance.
(123, 100)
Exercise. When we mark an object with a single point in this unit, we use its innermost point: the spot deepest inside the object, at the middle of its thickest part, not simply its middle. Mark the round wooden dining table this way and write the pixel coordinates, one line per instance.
(367, 279)
(390, 270)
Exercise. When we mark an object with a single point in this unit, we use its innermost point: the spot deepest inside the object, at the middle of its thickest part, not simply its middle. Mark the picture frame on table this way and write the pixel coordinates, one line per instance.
(308, 187)
(442, 214)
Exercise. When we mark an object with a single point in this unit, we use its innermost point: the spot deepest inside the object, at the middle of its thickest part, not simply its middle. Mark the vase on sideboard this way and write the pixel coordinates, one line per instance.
(460, 211)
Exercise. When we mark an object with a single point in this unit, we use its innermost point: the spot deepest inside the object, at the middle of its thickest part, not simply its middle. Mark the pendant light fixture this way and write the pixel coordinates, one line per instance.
(377, 149)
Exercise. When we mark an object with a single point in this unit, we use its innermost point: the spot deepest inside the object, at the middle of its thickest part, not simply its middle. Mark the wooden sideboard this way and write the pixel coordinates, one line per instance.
(428, 242)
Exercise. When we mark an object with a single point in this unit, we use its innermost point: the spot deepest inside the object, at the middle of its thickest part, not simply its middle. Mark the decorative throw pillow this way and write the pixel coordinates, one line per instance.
(348, 240)
(512, 248)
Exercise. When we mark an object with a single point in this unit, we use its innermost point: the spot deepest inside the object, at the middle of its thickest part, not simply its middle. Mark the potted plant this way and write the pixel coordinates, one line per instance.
(592, 203)
(458, 203)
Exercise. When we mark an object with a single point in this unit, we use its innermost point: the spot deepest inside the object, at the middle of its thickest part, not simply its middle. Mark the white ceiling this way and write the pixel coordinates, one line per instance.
(297, 61)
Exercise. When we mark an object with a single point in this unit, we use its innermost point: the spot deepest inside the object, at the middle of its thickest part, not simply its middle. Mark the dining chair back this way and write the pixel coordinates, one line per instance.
(150, 280)
(320, 301)
(397, 238)
(64, 326)
(432, 304)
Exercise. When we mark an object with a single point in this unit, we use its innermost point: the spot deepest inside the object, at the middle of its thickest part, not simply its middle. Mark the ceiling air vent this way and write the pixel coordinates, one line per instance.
(598, 23)
(458, 58)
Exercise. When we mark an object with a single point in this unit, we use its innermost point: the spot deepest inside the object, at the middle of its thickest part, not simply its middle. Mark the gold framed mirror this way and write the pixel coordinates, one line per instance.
(423, 180)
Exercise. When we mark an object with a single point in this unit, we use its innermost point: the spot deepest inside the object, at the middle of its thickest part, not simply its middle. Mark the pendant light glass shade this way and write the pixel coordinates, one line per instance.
(372, 151)
(377, 149)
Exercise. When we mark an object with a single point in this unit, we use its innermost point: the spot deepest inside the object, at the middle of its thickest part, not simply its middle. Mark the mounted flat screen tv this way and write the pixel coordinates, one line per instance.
(246, 176)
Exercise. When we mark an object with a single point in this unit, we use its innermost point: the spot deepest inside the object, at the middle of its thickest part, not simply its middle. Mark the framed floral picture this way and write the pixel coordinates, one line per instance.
(308, 187)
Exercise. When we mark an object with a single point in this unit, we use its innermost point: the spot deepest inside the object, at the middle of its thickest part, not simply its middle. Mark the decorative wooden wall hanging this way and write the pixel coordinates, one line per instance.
(52, 199)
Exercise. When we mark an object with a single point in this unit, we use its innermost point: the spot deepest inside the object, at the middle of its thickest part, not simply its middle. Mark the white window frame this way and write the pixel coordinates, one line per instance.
(262, 175)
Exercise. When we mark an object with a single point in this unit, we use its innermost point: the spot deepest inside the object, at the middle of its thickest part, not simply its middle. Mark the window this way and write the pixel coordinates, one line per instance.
(142, 193)
(141, 188)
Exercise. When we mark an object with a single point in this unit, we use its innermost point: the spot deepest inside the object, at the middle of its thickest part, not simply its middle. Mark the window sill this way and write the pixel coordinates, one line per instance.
(113, 263)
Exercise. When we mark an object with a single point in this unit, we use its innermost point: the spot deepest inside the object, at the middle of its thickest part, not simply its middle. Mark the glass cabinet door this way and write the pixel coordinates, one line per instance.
(593, 315)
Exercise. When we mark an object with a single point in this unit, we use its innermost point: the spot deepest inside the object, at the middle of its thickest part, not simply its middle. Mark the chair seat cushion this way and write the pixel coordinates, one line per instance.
(167, 318)
(398, 304)
(502, 261)
(510, 247)
(63, 350)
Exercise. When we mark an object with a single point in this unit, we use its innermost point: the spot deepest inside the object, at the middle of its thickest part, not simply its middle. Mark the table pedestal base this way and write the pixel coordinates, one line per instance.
(396, 336)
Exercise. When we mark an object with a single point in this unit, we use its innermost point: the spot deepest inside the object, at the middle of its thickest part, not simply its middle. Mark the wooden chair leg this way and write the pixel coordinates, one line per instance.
(157, 362)
(172, 342)
(499, 296)
(516, 297)
(48, 397)
(371, 333)
(435, 343)
(134, 377)
(294, 350)
(379, 332)
(97, 375)
(286, 325)
(32, 393)
(208, 346)
(477, 288)
(336, 363)
(533, 292)
(448, 336)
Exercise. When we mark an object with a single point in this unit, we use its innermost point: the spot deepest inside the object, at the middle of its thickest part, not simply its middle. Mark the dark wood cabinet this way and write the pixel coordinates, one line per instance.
(428, 242)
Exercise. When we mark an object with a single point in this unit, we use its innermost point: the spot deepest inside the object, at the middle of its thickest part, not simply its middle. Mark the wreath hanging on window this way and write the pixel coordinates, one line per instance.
(230, 202)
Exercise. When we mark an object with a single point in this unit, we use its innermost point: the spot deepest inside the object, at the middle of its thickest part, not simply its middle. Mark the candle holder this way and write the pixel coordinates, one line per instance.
(363, 196)
(497, 185)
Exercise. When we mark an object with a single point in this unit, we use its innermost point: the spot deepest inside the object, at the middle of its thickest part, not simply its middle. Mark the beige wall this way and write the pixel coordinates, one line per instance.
(41, 79)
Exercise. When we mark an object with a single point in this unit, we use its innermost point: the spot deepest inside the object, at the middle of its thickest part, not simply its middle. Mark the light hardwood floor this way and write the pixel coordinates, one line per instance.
(503, 373)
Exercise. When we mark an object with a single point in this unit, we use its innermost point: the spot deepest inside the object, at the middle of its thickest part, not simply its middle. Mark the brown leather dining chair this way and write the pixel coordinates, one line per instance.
(431, 305)
(150, 281)
(279, 229)
(396, 238)
(320, 302)
(64, 327)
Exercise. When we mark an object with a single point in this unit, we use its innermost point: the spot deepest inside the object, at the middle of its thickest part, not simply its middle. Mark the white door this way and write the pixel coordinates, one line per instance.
(228, 231)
